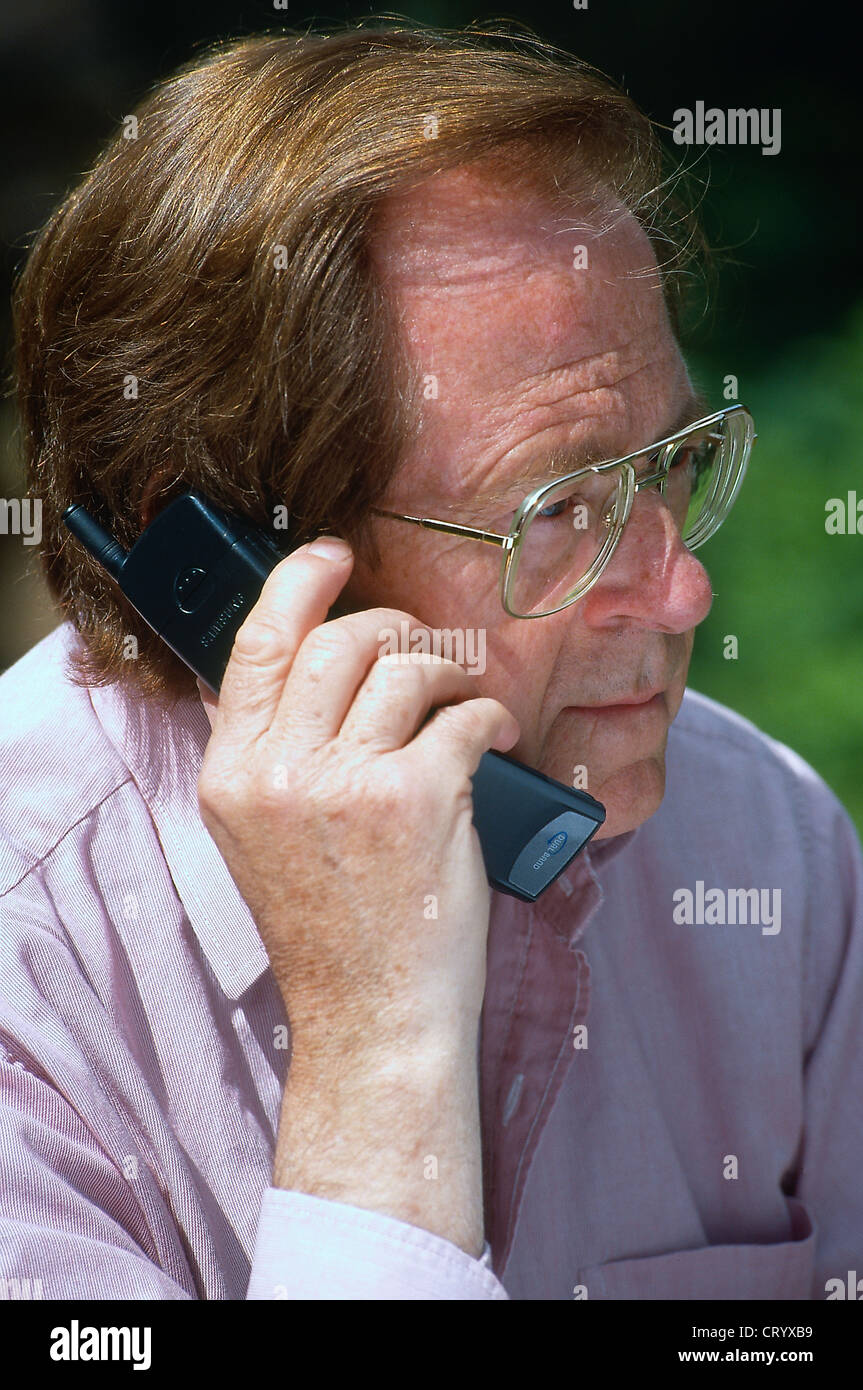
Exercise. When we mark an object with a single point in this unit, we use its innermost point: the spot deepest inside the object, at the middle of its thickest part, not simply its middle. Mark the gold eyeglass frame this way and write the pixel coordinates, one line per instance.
(724, 489)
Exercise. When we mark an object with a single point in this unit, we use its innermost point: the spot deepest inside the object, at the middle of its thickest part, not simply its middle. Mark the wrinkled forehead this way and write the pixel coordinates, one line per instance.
(481, 271)
(536, 319)
(462, 226)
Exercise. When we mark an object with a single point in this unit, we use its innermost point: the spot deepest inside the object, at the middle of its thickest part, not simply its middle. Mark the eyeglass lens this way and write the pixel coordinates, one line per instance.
(578, 524)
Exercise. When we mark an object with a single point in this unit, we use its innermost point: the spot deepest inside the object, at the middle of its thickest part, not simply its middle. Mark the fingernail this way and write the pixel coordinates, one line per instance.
(330, 548)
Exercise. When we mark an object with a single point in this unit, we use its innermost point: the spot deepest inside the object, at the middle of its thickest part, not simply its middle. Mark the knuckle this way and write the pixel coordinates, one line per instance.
(222, 783)
(276, 786)
(392, 790)
(355, 635)
(452, 672)
(390, 672)
(215, 786)
(390, 617)
(335, 641)
(213, 796)
(210, 774)
(258, 637)
(381, 625)
(424, 661)
(469, 720)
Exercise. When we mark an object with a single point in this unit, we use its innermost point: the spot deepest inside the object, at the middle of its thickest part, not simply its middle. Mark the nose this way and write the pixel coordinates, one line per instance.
(652, 580)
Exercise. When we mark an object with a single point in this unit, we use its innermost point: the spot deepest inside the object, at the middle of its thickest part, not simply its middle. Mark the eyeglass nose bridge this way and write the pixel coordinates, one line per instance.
(660, 474)
(633, 485)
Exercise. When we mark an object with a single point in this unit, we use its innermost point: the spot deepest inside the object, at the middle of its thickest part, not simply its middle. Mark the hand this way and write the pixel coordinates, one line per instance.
(345, 818)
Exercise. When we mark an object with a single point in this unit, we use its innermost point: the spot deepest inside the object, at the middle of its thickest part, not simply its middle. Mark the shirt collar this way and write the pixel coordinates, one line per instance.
(569, 903)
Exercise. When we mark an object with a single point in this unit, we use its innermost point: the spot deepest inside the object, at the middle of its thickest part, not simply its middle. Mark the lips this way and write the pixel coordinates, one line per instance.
(625, 703)
(632, 700)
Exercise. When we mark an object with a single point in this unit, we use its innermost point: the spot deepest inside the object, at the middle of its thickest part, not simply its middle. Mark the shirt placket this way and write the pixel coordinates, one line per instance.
(537, 994)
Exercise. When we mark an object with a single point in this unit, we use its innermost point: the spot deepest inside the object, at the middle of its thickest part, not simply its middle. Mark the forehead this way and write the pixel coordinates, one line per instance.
(533, 325)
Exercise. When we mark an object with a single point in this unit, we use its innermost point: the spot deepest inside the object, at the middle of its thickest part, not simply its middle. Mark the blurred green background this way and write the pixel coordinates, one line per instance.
(790, 592)
(786, 316)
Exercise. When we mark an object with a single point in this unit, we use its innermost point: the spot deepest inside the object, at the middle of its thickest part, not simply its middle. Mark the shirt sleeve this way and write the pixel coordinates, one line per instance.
(311, 1248)
(70, 1226)
(832, 1151)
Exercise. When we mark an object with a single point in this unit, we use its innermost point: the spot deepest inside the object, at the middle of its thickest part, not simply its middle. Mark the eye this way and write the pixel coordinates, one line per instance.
(697, 455)
(682, 456)
(650, 462)
(554, 509)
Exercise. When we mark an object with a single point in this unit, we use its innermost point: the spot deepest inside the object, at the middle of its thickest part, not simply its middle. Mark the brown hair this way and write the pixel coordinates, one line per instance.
(202, 312)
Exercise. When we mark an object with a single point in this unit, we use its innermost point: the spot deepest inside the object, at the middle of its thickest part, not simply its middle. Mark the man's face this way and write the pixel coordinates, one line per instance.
(529, 354)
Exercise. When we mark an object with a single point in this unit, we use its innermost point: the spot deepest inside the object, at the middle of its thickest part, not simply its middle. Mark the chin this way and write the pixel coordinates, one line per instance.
(630, 796)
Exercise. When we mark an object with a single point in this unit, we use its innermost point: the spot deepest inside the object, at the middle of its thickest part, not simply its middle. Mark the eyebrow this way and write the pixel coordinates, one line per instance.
(568, 458)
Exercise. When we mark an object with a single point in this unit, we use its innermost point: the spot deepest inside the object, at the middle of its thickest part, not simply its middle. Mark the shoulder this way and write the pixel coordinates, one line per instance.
(717, 744)
(56, 763)
(744, 797)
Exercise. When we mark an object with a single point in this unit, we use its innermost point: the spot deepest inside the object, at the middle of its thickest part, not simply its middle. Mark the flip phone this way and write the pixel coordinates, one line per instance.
(195, 573)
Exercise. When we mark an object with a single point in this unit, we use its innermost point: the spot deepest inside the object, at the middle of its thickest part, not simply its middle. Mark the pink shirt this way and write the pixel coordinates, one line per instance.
(700, 1136)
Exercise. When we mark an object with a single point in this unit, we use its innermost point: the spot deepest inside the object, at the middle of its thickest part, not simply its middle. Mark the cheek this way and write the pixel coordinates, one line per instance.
(386, 586)
(516, 677)
(512, 660)
(442, 585)
(521, 660)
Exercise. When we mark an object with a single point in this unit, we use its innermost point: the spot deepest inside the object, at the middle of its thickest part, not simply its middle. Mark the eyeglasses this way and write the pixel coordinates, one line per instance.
(565, 532)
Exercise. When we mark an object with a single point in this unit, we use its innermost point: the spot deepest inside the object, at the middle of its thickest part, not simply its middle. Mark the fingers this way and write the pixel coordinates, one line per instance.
(295, 598)
(396, 697)
(464, 732)
(326, 675)
(302, 681)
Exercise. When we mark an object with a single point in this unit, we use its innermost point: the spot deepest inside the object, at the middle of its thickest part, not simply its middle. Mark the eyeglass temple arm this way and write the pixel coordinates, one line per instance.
(506, 542)
(451, 528)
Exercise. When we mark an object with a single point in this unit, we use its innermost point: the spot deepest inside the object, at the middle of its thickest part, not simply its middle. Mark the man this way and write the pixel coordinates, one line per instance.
(383, 277)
